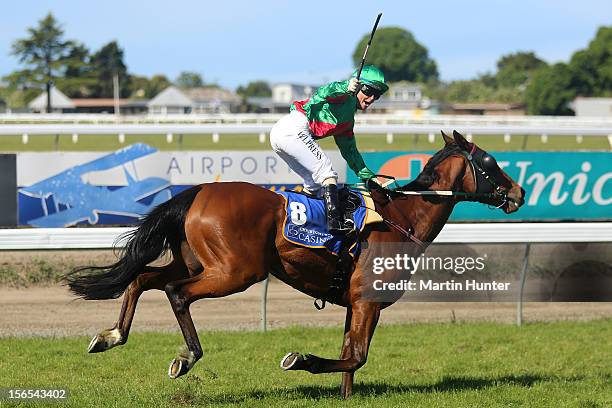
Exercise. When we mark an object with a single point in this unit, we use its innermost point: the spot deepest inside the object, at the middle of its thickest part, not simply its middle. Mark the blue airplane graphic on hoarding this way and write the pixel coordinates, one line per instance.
(74, 201)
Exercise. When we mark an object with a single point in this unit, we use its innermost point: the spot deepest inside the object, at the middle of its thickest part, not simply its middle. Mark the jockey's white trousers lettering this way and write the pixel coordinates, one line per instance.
(292, 140)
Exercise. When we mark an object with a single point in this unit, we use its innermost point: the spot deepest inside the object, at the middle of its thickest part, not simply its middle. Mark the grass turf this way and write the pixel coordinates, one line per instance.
(366, 142)
(561, 364)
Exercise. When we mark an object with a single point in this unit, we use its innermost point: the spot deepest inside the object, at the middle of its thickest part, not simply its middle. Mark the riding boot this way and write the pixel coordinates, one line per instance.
(336, 223)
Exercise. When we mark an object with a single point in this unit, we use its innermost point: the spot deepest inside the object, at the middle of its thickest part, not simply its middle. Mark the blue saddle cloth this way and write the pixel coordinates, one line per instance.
(306, 223)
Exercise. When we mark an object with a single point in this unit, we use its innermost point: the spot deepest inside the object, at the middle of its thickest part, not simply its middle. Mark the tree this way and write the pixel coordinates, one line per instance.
(589, 73)
(515, 70)
(143, 87)
(107, 63)
(398, 54)
(44, 52)
(592, 67)
(550, 91)
(473, 91)
(255, 88)
(78, 80)
(188, 79)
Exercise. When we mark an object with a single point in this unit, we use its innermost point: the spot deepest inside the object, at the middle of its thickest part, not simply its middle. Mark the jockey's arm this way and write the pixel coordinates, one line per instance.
(348, 150)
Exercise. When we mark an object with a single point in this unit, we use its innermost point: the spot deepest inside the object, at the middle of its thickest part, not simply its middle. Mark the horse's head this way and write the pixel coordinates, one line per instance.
(464, 167)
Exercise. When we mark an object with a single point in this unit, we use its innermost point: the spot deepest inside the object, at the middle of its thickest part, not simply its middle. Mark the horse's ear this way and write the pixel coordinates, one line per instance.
(461, 141)
(447, 139)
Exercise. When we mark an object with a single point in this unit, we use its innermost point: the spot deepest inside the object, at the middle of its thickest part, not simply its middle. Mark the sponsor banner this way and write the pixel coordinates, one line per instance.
(61, 188)
(558, 185)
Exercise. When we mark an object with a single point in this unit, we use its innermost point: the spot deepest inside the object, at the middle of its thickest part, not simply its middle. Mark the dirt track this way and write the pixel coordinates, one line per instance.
(52, 312)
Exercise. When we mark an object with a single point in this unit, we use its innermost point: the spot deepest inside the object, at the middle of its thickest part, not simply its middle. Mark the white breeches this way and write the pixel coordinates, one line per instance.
(292, 140)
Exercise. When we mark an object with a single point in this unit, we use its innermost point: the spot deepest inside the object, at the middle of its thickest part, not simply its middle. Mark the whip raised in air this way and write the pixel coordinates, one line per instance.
(368, 45)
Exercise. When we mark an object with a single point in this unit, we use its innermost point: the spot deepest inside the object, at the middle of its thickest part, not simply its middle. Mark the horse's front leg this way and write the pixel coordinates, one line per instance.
(346, 388)
(355, 348)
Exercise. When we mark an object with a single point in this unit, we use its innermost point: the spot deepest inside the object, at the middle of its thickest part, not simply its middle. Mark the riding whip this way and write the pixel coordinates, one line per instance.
(368, 45)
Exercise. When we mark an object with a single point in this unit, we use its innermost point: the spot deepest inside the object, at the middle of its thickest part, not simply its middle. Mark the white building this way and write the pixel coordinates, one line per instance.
(170, 101)
(60, 103)
(283, 95)
(601, 107)
(287, 93)
(197, 100)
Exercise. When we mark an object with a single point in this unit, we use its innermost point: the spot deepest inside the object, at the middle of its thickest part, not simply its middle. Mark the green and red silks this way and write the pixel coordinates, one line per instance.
(330, 110)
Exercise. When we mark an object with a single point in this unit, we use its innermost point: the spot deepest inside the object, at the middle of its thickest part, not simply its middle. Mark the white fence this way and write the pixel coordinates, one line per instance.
(178, 128)
(26, 125)
(521, 233)
(360, 118)
(119, 130)
(480, 233)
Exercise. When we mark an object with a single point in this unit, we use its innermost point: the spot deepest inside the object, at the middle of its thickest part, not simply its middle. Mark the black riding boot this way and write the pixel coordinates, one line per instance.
(336, 223)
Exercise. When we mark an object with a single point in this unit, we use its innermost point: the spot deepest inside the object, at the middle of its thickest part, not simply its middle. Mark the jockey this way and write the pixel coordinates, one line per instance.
(330, 111)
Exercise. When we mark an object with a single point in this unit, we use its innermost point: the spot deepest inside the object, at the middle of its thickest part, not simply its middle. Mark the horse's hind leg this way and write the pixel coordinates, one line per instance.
(213, 283)
(152, 278)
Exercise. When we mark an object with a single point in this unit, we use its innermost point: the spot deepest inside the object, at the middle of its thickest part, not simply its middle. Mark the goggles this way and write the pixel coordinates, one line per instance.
(368, 91)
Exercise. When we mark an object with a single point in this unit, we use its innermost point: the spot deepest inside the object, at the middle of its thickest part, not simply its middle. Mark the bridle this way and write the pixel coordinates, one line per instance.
(486, 185)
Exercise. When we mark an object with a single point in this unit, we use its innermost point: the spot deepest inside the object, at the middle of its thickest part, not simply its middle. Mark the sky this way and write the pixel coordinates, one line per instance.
(309, 42)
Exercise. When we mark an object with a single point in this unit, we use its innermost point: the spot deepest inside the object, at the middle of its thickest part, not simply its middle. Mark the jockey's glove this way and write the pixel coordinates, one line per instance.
(353, 85)
(365, 174)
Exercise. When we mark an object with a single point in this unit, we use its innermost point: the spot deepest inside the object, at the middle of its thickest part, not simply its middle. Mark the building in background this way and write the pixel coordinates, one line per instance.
(401, 98)
(212, 99)
(600, 107)
(283, 95)
(170, 101)
(60, 103)
(208, 99)
(107, 105)
(404, 98)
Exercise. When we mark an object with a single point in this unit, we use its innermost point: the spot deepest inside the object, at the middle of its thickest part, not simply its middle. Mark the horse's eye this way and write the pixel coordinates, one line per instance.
(489, 162)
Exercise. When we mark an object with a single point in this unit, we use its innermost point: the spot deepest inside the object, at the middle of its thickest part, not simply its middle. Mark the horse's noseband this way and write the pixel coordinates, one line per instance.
(483, 164)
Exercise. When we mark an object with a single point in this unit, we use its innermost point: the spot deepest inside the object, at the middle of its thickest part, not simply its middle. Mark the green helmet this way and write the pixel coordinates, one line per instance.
(370, 75)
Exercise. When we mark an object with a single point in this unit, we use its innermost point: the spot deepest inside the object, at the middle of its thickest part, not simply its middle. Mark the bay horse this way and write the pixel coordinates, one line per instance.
(225, 237)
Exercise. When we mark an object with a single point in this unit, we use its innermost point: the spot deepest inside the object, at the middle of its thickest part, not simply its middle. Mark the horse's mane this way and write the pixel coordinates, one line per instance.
(428, 176)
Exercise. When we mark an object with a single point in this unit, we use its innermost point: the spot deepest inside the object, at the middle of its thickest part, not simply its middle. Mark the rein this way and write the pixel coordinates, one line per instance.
(405, 232)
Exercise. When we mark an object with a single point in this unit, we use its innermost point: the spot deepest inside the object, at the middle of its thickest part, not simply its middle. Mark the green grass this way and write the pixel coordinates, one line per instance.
(562, 364)
(366, 142)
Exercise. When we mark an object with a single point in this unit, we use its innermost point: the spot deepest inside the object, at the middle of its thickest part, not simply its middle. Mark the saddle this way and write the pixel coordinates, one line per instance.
(357, 206)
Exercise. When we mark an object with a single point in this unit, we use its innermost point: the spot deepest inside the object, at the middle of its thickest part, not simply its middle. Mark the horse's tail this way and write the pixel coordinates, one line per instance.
(162, 229)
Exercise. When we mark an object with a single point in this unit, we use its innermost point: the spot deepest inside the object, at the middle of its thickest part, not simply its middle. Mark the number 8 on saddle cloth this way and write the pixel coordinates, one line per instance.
(306, 223)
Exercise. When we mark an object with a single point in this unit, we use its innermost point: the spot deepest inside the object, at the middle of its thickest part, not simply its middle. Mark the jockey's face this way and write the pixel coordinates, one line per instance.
(363, 101)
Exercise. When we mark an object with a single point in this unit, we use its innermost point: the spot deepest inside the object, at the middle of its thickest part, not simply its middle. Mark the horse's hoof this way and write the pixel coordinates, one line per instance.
(104, 341)
(177, 368)
(96, 345)
(292, 361)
